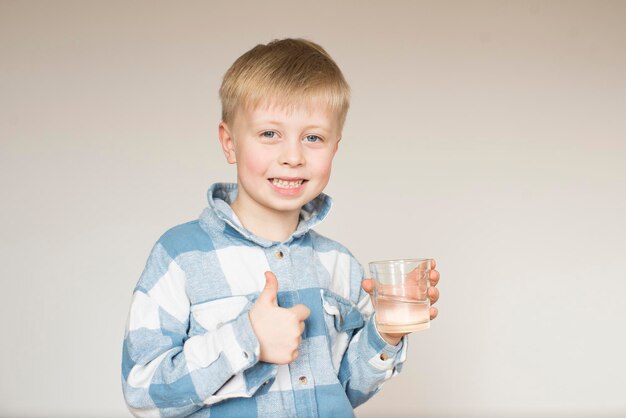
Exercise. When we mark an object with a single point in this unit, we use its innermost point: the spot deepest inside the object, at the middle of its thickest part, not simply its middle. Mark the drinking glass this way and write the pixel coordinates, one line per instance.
(401, 294)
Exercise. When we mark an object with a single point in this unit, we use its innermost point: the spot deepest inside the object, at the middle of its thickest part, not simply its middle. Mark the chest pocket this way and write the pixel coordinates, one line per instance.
(342, 320)
(209, 316)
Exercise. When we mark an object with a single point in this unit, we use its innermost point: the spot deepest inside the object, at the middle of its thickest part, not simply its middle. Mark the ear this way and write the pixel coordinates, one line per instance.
(227, 142)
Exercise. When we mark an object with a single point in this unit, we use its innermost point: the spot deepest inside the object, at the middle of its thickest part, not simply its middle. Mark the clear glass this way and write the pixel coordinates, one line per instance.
(401, 294)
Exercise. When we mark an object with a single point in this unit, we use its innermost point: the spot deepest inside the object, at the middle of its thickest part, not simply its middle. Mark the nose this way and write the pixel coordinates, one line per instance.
(292, 154)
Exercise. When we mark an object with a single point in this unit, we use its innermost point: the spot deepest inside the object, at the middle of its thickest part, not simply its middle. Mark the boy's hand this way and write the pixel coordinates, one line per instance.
(433, 295)
(278, 329)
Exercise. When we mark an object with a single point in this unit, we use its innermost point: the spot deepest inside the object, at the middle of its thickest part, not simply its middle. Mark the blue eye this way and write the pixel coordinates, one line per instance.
(269, 134)
(312, 138)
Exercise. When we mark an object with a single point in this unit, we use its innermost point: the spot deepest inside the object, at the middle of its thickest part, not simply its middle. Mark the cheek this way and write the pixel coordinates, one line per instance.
(252, 163)
(323, 166)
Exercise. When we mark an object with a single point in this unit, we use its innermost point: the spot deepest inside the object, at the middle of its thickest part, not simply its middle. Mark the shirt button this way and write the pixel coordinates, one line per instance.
(384, 356)
(280, 255)
(303, 380)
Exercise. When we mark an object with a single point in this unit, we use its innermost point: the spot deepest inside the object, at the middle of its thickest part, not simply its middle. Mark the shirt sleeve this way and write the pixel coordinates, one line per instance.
(167, 373)
(369, 360)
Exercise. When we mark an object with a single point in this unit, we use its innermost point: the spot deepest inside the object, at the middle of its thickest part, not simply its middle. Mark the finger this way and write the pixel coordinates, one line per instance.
(433, 294)
(434, 277)
(301, 311)
(433, 313)
(269, 292)
(368, 285)
(433, 264)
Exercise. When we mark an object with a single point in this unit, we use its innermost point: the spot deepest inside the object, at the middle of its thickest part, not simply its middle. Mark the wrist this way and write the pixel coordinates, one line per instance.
(391, 339)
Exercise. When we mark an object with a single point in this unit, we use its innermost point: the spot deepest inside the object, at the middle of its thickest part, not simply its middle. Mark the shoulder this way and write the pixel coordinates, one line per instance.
(322, 243)
(334, 254)
(345, 272)
(185, 238)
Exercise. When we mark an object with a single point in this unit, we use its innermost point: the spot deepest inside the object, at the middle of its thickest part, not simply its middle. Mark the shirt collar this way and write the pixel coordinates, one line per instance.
(221, 195)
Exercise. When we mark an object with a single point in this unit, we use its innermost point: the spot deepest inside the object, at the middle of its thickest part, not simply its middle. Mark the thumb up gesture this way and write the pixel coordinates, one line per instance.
(279, 330)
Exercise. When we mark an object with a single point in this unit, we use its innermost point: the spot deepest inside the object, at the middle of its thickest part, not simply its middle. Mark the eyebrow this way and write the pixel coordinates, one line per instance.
(260, 122)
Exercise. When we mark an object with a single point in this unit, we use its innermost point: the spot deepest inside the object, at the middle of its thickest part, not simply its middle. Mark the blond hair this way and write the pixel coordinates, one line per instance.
(285, 72)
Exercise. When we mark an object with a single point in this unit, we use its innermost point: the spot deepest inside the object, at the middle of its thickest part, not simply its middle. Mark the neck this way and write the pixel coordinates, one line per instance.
(268, 224)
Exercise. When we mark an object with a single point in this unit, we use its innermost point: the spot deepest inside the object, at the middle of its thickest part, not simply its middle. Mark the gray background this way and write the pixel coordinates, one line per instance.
(489, 135)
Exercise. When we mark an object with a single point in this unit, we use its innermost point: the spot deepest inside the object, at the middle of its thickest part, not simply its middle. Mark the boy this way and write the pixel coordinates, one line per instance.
(247, 312)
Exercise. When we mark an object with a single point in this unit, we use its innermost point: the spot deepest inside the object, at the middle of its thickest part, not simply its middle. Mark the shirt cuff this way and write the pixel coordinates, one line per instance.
(239, 343)
(241, 348)
(383, 355)
(378, 342)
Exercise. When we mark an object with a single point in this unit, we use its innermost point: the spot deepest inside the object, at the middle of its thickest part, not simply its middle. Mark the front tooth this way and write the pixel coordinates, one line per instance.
(287, 184)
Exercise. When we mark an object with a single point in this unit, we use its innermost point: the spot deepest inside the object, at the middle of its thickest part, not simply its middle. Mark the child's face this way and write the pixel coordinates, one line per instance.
(283, 156)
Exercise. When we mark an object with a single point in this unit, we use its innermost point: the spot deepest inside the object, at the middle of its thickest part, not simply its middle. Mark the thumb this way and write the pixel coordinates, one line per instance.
(270, 290)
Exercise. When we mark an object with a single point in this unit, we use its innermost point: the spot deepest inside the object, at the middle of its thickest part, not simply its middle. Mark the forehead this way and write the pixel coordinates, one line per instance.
(312, 111)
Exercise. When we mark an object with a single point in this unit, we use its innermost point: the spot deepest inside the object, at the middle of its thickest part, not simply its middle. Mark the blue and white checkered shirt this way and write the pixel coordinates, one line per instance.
(189, 347)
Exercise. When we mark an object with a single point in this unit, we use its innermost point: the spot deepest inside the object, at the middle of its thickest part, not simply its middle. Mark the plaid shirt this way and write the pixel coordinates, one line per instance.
(189, 347)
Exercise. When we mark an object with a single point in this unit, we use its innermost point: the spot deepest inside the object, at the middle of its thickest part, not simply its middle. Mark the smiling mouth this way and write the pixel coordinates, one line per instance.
(287, 184)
